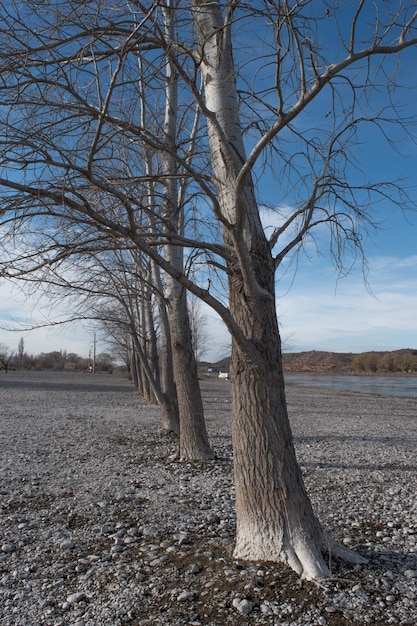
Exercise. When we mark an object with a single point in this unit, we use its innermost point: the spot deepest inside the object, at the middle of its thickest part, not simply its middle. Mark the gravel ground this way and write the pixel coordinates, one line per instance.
(100, 525)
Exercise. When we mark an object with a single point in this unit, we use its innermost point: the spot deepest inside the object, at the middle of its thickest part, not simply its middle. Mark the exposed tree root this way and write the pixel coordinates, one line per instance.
(306, 557)
(336, 549)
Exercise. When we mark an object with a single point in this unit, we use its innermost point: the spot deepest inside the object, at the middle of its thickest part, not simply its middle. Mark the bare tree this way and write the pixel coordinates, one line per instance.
(194, 441)
(114, 290)
(21, 351)
(199, 330)
(274, 515)
(5, 357)
(74, 147)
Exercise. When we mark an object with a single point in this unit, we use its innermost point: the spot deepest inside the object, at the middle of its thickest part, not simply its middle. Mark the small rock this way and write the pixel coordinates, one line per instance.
(129, 540)
(76, 597)
(266, 609)
(67, 544)
(80, 568)
(195, 569)
(149, 531)
(105, 529)
(243, 606)
(8, 548)
(116, 549)
(185, 596)
(410, 573)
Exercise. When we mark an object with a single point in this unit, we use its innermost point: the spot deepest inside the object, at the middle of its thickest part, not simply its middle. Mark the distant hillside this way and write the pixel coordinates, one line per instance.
(320, 362)
(302, 362)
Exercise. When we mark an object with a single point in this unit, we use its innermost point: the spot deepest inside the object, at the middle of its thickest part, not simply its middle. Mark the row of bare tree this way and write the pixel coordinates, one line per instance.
(57, 360)
(142, 145)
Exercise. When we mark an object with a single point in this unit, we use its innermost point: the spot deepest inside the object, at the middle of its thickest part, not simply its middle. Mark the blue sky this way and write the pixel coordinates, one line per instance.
(18, 312)
(320, 310)
(317, 309)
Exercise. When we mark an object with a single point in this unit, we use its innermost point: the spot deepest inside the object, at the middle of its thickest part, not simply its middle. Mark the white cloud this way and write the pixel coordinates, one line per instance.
(20, 315)
(316, 311)
(317, 315)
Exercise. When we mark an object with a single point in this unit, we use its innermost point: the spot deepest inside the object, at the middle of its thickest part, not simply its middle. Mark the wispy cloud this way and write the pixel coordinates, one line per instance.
(24, 316)
(316, 310)
(317, 315)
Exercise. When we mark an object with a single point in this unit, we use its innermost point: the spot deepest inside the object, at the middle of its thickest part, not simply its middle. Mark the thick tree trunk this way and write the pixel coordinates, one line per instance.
(275, 519)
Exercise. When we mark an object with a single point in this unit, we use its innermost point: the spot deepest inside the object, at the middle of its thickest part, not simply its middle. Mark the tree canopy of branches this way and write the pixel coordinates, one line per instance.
(163, 124)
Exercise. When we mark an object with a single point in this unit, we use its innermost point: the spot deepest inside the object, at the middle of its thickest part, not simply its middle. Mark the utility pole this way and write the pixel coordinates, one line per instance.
(94, 353)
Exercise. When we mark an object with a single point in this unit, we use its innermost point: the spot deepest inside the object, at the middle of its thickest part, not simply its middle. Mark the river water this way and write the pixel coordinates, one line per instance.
(405, 386)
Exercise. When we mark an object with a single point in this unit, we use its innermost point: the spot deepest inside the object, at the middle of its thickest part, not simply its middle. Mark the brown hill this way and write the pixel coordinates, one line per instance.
(320, 362)
(303, 362)
(317, 362)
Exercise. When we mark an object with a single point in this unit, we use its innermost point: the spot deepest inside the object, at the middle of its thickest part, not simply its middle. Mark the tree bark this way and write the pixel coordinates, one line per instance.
(194, 443)
(275, 519)
(170, 415)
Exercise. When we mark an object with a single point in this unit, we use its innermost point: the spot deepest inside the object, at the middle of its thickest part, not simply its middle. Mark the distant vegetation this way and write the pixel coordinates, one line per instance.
(396, 362)
(313, 362)
(320, 362)
(404, 361)
(57, 360)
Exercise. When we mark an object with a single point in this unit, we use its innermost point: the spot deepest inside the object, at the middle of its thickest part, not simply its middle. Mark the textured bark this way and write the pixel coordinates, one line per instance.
(275, 519)
(194, 443)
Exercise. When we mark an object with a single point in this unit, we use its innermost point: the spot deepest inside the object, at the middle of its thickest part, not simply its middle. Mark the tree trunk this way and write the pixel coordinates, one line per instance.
(170, 417)
(275, 519)
(194, 443)
(134, 365)
(147, 381)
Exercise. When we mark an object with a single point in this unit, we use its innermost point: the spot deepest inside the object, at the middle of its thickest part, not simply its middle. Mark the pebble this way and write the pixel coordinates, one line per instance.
(115, 530)
(243, 606)
(185, 596)
(8, 548)
(73, 598)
